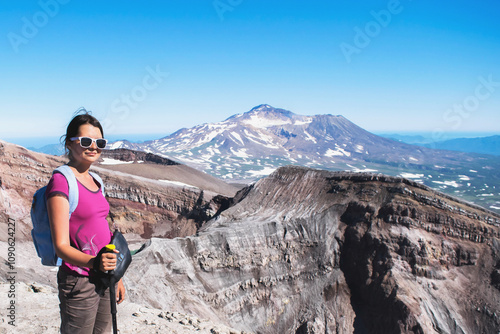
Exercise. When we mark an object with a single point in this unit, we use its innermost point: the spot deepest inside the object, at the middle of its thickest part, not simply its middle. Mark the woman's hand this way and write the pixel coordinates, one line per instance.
(108, 261)
(120, 292)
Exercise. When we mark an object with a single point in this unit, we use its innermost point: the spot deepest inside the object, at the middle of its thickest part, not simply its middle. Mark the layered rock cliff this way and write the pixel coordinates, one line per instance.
(309, 251)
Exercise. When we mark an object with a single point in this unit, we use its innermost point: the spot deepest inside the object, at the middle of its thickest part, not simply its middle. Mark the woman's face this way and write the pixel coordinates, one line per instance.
(85, 155)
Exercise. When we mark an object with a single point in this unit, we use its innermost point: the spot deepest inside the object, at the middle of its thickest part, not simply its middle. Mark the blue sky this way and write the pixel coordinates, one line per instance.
(154, 67)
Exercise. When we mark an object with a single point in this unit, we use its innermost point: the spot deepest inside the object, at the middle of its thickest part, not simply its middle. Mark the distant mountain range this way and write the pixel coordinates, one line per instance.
(482, 145)
(245, 147)
(54, 149)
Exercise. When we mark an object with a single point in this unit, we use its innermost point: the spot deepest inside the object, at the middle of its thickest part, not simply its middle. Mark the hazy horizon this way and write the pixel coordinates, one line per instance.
(39, 142)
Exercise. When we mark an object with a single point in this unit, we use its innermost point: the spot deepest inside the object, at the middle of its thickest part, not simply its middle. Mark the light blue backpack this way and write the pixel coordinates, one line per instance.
(40, 233)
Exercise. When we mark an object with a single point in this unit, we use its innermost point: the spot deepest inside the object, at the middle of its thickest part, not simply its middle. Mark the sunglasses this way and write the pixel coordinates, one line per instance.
(86, 142)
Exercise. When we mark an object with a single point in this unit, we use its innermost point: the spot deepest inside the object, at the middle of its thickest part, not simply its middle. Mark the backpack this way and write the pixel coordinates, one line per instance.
(40, 233)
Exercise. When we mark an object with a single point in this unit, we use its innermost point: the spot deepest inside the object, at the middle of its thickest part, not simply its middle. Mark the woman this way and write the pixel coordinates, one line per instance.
(78, 239)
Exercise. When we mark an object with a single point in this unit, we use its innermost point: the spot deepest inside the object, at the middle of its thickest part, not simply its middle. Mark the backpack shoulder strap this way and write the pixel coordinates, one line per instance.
(72, 186)
(98, 179)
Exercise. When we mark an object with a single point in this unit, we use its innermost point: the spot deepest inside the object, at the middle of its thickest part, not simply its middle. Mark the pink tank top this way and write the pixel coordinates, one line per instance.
(88, 228)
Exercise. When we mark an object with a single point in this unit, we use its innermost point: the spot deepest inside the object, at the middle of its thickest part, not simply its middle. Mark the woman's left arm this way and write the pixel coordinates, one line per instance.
(120, 292)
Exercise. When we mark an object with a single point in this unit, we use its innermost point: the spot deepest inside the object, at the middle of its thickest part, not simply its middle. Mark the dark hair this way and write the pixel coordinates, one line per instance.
(82, 117)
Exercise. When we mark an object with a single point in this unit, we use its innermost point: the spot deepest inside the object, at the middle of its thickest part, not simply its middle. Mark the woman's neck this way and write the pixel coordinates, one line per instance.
(80, 168)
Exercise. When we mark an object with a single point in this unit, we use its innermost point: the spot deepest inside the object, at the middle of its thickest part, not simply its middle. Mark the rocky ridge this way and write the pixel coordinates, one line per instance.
(140, 206)
(155, 167)
(300, 251)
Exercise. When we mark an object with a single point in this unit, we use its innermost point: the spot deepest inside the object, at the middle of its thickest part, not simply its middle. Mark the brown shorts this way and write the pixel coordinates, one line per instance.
(83, 311)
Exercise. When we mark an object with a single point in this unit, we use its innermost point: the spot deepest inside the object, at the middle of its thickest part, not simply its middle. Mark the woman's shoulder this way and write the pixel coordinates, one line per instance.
(58, 178)
(57, 184)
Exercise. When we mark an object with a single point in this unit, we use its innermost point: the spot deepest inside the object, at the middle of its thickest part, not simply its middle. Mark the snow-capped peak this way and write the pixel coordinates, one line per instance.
(262, 107)
(261, 121)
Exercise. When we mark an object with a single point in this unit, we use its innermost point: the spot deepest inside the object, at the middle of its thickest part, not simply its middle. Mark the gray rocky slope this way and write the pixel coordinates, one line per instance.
(309, 251)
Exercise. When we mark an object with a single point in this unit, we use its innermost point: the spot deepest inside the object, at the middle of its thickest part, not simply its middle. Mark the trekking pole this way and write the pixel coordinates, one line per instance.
(112, 292)
(112, 300)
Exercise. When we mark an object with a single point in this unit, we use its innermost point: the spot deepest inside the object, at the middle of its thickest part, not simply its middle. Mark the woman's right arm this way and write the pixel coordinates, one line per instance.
(58, 210)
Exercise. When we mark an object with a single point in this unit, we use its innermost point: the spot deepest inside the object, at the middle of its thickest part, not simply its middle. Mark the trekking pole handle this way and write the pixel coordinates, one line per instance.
(109, 248)
(112, 292)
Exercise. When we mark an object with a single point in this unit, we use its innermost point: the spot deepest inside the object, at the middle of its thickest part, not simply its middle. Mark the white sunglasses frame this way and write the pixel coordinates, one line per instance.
(94, 140)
